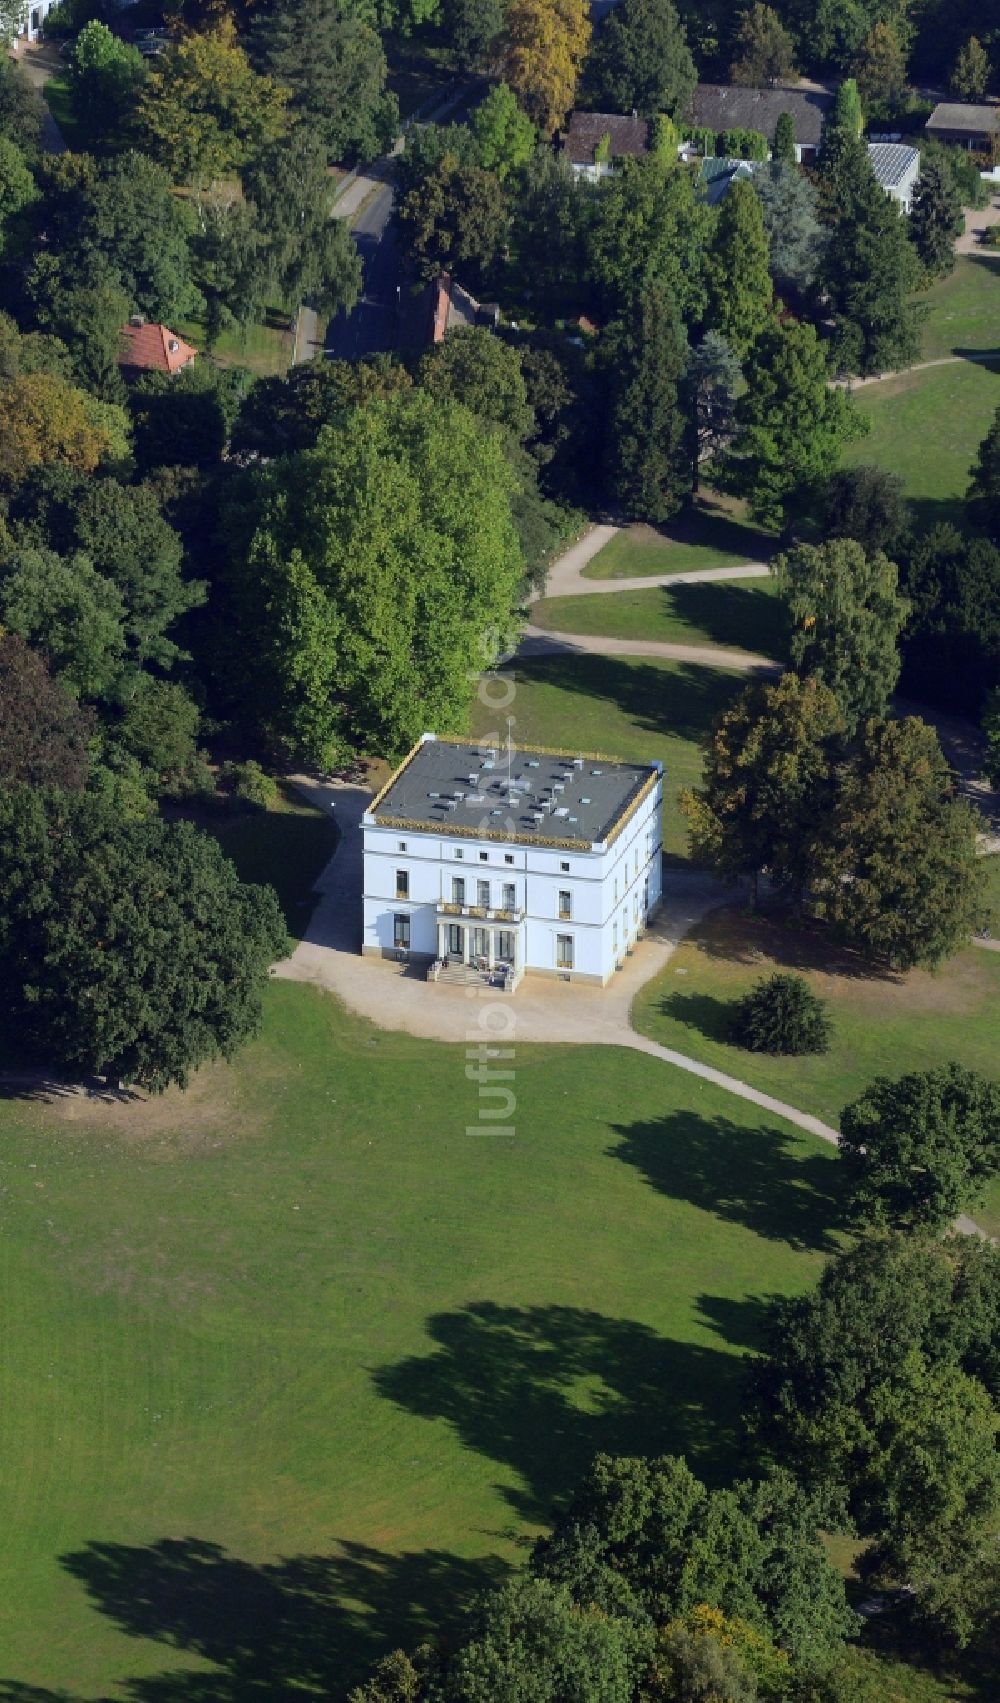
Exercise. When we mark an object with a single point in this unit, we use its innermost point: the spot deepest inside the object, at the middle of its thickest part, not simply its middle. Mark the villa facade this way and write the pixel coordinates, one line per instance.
(512, 860)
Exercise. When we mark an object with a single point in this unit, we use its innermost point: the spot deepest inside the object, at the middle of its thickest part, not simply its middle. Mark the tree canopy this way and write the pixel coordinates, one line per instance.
(547, 43)
(641, 61)
(368, 572)
(204, 110)
(846, 616)
(919, 1150)
(130, 949)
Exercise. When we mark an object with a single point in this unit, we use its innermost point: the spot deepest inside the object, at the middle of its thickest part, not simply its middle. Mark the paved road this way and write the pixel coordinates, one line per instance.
(371, 328)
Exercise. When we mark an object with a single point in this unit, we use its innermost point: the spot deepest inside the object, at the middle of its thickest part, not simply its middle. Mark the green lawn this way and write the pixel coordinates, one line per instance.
(882, 1025)
(708, 537)
(617, 707)
(293, 1363)
(964, 308)
(927, 426)
(741, 613)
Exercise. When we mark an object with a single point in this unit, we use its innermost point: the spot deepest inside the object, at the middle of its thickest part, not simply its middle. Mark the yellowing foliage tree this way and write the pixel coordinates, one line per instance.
(547, 45)
(205, 111)
(45, 419)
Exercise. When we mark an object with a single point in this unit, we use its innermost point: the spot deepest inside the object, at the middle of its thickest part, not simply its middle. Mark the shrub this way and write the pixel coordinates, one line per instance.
(248, 782)
(781, 1014)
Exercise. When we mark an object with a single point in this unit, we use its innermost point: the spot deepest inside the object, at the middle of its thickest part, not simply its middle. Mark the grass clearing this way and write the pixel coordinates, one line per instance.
(927, 427)
(705, 537)
(743, 613)
(883, 1025)
(56, 95)
(293, 1366)
(964, 308)
(617, 707)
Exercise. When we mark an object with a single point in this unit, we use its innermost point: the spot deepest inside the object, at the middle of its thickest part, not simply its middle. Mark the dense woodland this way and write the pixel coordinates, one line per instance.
(209, 578)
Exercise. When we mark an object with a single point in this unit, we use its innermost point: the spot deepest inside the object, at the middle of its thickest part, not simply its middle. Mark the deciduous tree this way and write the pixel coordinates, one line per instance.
(765, 52)
(71, 612)
(505, 136)
(547, 45)
(846, 616)
(310, 255)
(867, 504)
(784, 140)
(22, 110)
(473, 29)
(894, 868)
(43, 419)
(203, 109)
(641, 61)
(17, 185)
(529, 1642)
(650, 225)
(44, 732)
(105, 75)
(458, 220)
(476, 369)
(398, 529)
(766, 782)
(330, 55)
(130, 949)
(880, 67)
(921, 1149)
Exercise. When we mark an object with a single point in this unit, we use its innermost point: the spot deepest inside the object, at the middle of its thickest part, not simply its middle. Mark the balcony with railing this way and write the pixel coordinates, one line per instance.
(480, 913)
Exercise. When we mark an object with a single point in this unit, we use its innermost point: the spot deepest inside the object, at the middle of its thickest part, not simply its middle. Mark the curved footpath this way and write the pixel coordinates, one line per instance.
(544, 1012)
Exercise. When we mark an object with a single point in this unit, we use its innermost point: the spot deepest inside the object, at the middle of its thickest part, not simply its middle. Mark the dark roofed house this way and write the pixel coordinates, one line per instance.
(152, 348)
(974, 127)
(721, 107)
(595, 140)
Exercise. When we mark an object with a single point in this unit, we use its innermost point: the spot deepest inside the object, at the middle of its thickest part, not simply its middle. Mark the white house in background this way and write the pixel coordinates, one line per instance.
(512, 860)
(897, 167)
(33, 16)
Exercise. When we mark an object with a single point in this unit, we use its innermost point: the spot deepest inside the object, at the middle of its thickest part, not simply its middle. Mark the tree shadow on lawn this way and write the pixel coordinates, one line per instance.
(308, 1626)
(732, 614)
(544, 1389)
(679, 699)
(773, 939)
(707, 523)
(753, 1177)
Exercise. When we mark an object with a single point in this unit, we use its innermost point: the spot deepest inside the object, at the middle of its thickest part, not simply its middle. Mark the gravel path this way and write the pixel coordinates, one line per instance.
(538, 641)
(565, 576)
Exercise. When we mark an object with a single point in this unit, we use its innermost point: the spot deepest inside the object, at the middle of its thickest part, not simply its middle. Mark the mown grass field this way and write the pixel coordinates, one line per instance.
(708, 536)
(883, 1025)
(742, 614)
(293, 1363)
(927, 426)
(964, 308)
(618, 707)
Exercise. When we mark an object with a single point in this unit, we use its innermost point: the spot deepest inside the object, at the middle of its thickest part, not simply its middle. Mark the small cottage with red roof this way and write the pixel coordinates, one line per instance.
(152, 348)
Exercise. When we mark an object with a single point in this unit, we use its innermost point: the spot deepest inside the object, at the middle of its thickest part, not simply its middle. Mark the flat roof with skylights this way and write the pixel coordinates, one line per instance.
(525, 794)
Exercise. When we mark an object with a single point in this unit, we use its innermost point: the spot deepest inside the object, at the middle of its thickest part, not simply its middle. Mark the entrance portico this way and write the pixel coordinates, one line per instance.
(480, 941)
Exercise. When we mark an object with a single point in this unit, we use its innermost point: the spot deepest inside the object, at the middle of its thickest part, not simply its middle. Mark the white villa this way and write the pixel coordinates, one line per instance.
(510, 861)
(33, 16)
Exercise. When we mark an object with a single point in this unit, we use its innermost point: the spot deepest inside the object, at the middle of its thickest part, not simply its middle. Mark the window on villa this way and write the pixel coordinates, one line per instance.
(402, 845)
(565, 904)
(457, 890)
(564, 867)
(564, 951)
(509, 896)
(483, 856)
(459, 853)
(508, 857)
(483, 894)
(402, 884)
(401, 933)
